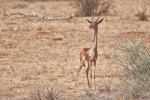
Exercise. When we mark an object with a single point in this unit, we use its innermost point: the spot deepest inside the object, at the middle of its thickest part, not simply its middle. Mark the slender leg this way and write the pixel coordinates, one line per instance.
(91, 73)
(82, 63)
(87, 75)
(94, 73)
(80, 67)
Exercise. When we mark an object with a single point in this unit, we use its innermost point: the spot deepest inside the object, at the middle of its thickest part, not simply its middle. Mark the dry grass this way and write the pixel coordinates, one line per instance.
(45, 94)
(36, 53)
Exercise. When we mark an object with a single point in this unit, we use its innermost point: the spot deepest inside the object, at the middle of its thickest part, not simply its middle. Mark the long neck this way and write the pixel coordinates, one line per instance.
(95, 39)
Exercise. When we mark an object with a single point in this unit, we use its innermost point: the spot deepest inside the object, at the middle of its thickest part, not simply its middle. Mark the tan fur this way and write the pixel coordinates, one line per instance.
(90, 54)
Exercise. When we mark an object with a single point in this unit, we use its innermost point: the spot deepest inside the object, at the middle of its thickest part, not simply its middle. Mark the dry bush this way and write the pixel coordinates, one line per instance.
(136, 62)
(90, 7)
(45, 94)
(141, 14)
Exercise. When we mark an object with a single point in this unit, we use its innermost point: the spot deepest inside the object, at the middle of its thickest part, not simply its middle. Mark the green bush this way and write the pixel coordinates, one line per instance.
(136, 62)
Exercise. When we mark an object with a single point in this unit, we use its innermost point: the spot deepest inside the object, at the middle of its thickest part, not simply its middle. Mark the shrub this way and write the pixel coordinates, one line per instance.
(136, 62)
(90, 7)
(45, 94)
(141, 14)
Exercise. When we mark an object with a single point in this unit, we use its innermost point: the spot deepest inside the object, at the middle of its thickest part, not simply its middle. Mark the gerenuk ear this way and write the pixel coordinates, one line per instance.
(100, 21)
(88, 21)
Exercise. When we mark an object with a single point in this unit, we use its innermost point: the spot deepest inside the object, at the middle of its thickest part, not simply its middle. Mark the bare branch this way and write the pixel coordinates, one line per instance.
(90, 7)
(36, 15)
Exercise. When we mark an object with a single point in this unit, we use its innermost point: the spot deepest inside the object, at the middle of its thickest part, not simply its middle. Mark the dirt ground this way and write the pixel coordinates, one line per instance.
(40, 54)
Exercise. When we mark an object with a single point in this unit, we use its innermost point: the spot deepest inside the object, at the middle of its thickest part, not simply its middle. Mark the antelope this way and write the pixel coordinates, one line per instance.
(90, 54)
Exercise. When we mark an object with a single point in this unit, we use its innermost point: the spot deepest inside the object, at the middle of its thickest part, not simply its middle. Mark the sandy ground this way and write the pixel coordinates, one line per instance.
(39, 54)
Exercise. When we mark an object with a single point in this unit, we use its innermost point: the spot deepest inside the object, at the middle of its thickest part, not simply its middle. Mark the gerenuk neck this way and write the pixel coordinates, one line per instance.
(94, 47)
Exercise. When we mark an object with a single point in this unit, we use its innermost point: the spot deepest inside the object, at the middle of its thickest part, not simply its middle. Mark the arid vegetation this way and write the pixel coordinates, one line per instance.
(136, 64)
(90, 7)
(40, 42)
(142, 13)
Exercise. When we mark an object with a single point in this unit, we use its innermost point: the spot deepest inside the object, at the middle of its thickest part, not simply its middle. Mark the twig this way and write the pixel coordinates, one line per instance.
(36, 15)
